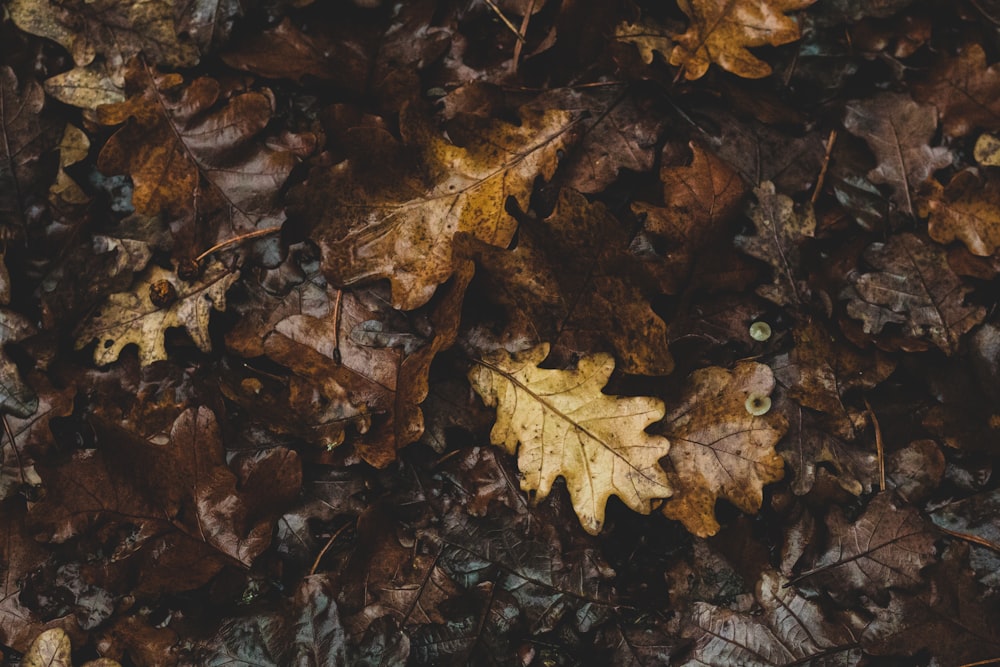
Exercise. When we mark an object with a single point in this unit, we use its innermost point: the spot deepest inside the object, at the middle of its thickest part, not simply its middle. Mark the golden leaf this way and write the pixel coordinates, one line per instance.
(567, 428)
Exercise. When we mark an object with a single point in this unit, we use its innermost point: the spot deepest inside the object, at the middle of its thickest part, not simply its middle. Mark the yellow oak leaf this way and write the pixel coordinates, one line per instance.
(721, 31)
(647, 37)
(133, 317)
(722, 444)
(392, 210)
(967, 210)
(567, 428)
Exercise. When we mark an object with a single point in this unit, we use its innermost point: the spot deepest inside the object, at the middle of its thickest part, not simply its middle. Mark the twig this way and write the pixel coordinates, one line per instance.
(326, 547)
(523, 32)
(988, 661)
(237, 239)
(975, 539)
(879, 445)
(826, 164)
(506, 21)
(13, 445)
(336, 326)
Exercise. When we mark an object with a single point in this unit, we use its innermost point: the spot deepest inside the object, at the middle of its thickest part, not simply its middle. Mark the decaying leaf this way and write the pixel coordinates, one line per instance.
(781, 231)
(16, 397)
(721, 32)
(914, 286)
(821, 370)
(807, 447)
(392, 211)
(965, 91)
(560, 425)
(718, 449)
(132, 317)
(568, 282)
(790, 630)
(967, 210)
(886, 547)
(647, 37)
(897, 129)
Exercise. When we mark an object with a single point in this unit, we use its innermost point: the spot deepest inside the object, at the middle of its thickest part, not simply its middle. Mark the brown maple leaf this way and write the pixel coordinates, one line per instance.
(392, 211)
(720, 33)
(912, 285)
(718, 448)
(897, 129)
(965, 91)
(967, 210)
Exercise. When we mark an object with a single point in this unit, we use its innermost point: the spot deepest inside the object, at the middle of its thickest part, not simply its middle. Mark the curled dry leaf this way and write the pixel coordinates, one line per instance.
(781, 231)
(897, 129)
(967, 210)
(721, 32)
(392, 211)
(718, 449)
(132, 317)
(914, 286)
(560, 425)
(965, 91)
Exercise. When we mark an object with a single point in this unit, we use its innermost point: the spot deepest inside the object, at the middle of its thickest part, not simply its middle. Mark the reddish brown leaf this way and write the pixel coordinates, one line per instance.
(965, 91)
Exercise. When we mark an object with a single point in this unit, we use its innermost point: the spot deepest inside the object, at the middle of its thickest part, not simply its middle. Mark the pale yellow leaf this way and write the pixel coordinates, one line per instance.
(50, 649)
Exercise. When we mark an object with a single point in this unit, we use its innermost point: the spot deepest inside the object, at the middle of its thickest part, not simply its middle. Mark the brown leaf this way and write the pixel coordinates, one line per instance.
(16, 397)
(790, 630)
(897, 129)
(912, 285)
(392, 213)
(886, 547)
(966, 210)
(718, 449)
(179, 139)
(720, 33)
(781, 231)
(568, 282)
(647, 36)
(821, 370)
(132, 317)
(561, 425)
(965, 91)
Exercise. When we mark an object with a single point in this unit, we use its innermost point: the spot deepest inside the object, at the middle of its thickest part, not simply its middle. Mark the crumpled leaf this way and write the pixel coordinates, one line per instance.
(720, 33)
(393, 211)
(178, 139)
(821, 370)
(132, 317)
(967, 210)
(790, 630)
(566, 427)
(886, 547)
(718, 449)
(897, 129)
(699, 199)
(781, 231)
(965, 91)
(914, 286)
(568, 282)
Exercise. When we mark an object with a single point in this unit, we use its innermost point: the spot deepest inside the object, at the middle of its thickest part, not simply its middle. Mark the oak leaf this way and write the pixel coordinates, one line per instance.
(647, 36)
(718, 449)
(897, 129)
(807, 448)
(721, 32)
(965, 91)
(781, 231)
(566, 427)
(132, 317)
(392, 211)
(967, 209)
(912, 285)
(568, 282)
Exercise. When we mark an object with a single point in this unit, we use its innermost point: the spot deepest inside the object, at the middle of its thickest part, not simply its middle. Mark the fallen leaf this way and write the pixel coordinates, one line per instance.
(965, 210)
(964, 90)
(781, 232)
(568, 282)
(897, 129)
(16, 397)
(912, 285)
(718, 449)
(566, 427)
(648, 37)
(720, 33)
(49, 649)
(790, 629)
(86, 87)
(382, 215)
(886, 547)
(132, 317)
(821, 370)
(807, 447)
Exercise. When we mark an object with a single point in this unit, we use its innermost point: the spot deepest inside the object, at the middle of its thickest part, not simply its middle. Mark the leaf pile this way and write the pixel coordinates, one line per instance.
(516, 332)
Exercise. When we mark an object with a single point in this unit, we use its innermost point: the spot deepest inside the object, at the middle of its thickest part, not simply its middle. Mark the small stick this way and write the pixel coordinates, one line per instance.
(506, 21)
(13, 445)
(237, 239)
(826, 164)
(326, 547)
(879, 445)
(523, 32)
